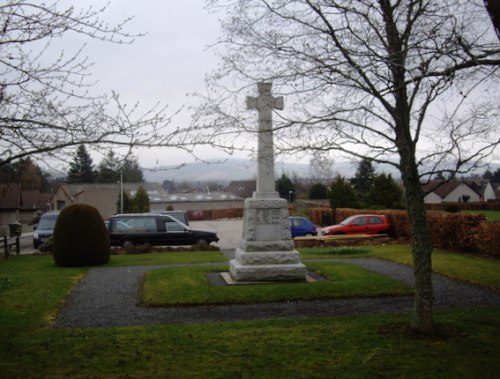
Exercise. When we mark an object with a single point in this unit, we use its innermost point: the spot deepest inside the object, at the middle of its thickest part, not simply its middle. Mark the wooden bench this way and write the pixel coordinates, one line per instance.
(10, 238)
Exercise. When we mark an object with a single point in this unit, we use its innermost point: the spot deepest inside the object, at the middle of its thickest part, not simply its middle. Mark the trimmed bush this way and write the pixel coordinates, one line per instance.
(80, 237)
(487, 238)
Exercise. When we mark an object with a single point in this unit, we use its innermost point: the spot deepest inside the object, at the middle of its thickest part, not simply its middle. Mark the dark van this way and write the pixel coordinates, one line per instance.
(45, 228)
(155, 229)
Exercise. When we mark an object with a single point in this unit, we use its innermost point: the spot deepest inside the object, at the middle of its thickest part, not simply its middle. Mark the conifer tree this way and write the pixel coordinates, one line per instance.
(140, 203)
(385, 192)
(81, 168)
(342, 194)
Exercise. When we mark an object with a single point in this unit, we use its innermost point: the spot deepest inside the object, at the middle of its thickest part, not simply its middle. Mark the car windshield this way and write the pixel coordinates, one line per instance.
(348, 220)
(47, 222)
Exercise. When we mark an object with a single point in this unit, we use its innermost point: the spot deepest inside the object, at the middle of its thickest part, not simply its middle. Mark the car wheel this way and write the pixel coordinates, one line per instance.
(308, 234)
(202, 242)
(338, 233)
(127, 244)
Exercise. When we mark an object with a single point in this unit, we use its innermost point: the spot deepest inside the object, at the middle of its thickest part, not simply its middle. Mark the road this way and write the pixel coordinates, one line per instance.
(229, 231)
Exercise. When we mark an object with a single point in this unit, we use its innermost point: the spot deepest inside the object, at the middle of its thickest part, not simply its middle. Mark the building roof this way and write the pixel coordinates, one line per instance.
(444, 188)
(12, 198)
(440, 187)
(156, 193)
(201, 197)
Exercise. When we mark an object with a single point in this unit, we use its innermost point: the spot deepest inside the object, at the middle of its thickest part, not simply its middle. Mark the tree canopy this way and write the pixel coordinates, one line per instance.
(365, 173)
(26, 173)
(285, 188)
(113, 167)
(342, 194)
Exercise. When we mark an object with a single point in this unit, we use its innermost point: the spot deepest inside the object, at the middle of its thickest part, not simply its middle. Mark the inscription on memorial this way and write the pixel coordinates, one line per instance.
(268, 216)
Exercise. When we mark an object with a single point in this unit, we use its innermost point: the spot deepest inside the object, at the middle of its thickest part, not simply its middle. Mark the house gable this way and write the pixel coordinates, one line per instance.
(450, 192)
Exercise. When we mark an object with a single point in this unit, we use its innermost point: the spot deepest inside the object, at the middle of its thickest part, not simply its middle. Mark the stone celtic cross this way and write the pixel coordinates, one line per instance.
(264, 103)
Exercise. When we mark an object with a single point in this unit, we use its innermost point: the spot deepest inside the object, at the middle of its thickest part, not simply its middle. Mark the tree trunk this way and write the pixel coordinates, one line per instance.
(421, 243)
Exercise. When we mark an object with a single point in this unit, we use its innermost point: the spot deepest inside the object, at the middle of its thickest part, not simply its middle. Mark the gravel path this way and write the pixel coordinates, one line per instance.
(108, 297)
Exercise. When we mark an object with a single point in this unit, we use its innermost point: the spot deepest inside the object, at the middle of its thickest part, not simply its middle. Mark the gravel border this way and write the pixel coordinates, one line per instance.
(109, 296)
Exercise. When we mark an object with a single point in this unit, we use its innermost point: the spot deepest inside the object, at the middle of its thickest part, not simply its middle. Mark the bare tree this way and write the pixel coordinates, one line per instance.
(321, 167)
(411, 83)
(45, 105)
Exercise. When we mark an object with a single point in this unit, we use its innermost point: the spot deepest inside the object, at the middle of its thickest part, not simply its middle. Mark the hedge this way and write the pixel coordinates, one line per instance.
(453, 231)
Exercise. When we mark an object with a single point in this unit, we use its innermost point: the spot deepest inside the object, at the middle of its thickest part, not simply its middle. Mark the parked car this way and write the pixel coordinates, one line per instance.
(302, 226)
(359, 224)
(156, 229)
(197, 215)
(45, 228)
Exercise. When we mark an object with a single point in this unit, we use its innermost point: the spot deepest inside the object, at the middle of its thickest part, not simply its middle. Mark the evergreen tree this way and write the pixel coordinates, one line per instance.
(109, 169)
(386, 192)
(26, 173)
(30, 176)
(318, 191)
(127, 203)
(140, 203)
(81, 170)
(132, 172)
(494, 177)
(363, 178)
(285, 188)
(342, 194)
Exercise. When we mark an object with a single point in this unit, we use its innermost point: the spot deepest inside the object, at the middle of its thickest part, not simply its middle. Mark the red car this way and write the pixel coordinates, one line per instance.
(359, 224)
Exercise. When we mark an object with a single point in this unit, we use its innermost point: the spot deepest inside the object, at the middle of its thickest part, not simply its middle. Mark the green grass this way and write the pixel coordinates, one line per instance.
(468, 268)
(189, 285)
(490, 215)
(343, 347)
(33, 288)
(330, 252)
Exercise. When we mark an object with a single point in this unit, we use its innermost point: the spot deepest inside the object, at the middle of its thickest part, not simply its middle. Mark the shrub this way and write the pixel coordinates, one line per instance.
(80, 237)
(488, 238)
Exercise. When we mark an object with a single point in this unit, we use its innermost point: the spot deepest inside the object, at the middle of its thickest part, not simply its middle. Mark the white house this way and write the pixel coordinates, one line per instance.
(450, 192)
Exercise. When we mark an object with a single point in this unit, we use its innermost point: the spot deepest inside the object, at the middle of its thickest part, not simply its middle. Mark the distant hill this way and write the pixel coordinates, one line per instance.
(240, 169)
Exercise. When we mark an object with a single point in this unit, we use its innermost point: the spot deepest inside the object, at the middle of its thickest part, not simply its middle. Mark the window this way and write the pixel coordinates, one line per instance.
(173, 226)
(141, 224)
(359, 221)
(376, 220)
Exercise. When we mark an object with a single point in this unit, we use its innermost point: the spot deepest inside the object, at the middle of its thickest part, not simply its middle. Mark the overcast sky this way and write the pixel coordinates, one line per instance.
(165, 65)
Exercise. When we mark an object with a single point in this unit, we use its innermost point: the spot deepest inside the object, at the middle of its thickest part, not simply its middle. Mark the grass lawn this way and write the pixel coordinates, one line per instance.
(468, 268)
(189, 285)
(32, 289)
(490, 215)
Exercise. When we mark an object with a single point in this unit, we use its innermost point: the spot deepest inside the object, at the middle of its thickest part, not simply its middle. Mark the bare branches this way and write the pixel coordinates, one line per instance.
(45, 104)
(361, 77)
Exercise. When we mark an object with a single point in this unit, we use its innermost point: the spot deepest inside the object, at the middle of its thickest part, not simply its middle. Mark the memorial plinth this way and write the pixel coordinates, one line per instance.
(266, 251)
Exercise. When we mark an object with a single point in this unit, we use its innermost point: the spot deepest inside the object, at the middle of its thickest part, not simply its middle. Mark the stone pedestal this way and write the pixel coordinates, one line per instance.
(266, 251)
